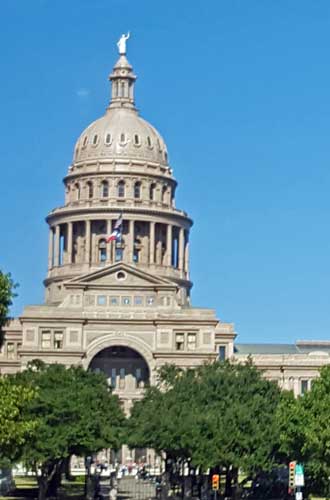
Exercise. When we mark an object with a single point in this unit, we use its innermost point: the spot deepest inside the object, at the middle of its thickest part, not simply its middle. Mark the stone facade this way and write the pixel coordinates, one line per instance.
(124, 307)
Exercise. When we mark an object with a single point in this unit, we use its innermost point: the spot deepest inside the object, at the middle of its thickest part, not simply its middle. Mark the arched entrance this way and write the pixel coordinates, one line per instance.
(128, 374)
(126, 370)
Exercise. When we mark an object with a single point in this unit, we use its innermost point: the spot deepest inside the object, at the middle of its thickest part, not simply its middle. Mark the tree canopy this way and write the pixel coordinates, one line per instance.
(305, 432)
(15, 428)
(76, 414)
(219, 414)
(7, 287)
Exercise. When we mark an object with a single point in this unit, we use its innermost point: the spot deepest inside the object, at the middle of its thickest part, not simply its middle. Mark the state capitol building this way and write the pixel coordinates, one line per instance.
(123, 306)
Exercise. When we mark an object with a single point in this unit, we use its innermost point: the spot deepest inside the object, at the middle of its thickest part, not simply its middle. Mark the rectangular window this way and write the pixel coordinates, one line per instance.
(179, 341)
(138, 300)
(126, 301)
(136, 255)
(119, 254)
(46, 339)
(150, 301)
(138, 377)
(113, 378)
(101, 300)
(122, 378)
(114, 301)
(304, 386)
(90, 300)
(58, 339)
(191, 343)
(222, 353)
(10, 350)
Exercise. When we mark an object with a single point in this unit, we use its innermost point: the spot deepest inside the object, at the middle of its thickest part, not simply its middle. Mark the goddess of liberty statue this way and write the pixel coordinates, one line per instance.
(121, 44)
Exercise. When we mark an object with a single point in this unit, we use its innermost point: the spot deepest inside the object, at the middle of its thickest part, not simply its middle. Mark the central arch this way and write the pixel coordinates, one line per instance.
(121, 341)
(129, 366)
(125, 368)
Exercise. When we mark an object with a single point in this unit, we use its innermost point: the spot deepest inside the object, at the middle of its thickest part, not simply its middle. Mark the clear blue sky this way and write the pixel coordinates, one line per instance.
(240, 90)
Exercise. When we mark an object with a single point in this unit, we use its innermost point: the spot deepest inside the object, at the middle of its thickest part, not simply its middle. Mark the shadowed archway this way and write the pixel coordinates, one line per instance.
(125, 368)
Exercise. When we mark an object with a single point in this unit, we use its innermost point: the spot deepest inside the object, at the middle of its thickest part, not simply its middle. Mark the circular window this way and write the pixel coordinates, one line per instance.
(121, 276)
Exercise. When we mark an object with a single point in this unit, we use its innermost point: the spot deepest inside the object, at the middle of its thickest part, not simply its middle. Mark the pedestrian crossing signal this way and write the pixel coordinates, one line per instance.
(215, 482)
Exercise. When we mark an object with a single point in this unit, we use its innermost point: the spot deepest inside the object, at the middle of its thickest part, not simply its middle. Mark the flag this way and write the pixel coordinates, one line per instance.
(116, 233)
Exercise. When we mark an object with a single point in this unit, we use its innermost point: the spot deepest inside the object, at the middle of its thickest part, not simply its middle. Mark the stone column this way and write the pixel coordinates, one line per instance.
(57, 246)
(109, 245)
(93, 248)
(87, 241)
(50, 248)
(169, 236)
(69, 243)
(186, 256)
(130, 240)
(152, 242)
(181, 248)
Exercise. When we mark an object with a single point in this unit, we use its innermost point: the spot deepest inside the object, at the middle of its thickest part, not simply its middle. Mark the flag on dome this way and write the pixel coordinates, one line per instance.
(116, 233)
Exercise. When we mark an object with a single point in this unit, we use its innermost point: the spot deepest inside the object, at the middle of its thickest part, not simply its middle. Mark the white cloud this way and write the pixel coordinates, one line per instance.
(82, 93)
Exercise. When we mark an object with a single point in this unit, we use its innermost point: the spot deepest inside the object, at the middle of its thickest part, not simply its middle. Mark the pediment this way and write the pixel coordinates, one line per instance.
(119, 275)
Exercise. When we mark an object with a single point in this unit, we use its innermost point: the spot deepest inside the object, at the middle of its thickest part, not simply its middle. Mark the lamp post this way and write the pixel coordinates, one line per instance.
(88, 463)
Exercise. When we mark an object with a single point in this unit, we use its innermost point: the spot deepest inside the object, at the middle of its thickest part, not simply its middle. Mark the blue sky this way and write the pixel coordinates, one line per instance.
(239, 90)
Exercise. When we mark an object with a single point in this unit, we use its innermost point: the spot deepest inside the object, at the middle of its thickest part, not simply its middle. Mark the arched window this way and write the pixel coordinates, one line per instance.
(137, 190)
(122, 138)
(85, 141)
(90, 190)
(77, 188)
(166, 156)
(121, 189)
(164, 191)
(149, 142)
(102, 251)
(107, 139)
(152, 191)
(136, 140)
(105, 189)
(95, 139)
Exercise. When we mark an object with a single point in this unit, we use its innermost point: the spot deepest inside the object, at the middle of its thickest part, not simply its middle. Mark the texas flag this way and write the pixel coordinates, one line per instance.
(116, 233)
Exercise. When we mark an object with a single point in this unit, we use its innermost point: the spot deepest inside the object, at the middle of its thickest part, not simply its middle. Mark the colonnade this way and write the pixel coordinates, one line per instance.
(172, 241)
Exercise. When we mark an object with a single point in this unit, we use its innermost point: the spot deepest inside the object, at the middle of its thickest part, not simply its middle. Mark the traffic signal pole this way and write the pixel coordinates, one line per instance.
(296, 480)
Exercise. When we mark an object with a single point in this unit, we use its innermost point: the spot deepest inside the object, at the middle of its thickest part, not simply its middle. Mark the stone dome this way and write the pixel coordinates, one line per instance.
(121, 133)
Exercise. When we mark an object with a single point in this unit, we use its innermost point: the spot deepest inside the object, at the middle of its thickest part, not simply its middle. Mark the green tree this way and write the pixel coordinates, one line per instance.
(15, 429)
(77, 414)
(7, 287)
(305, 435)
(217, 415)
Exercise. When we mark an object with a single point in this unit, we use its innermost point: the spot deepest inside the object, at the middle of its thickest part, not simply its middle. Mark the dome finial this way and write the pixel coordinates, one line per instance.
(122, 78)
(121, 44)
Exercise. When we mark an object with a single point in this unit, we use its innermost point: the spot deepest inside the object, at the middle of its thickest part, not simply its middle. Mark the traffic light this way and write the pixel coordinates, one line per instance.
(215, 481)
(292, 469)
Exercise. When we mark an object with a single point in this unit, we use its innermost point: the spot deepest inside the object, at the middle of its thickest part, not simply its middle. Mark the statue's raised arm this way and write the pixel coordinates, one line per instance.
(121, 44)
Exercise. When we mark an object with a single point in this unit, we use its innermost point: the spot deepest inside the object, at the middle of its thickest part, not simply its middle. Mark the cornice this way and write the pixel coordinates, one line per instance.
(85, 211)
(82, 173)
(60, 353)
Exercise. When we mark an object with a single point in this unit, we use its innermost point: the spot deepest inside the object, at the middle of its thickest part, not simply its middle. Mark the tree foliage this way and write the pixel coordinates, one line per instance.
(219, 414)
(15, 429)
(7, 287)
(305, 432)
(76, 413)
